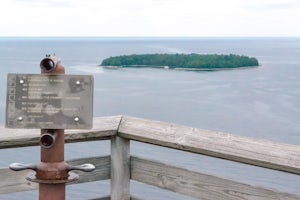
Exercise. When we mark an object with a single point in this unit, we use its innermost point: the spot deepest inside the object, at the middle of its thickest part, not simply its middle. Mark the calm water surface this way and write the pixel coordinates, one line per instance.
(261, 102)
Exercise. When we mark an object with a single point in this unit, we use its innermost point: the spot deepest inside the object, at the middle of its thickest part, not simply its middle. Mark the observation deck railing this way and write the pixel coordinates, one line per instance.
(121, 167)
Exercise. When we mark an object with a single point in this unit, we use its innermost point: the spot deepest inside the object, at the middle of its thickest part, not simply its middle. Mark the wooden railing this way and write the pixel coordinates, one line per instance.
(121, 167)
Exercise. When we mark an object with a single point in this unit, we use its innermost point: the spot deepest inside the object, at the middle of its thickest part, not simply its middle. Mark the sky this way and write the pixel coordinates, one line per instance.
(150, 18)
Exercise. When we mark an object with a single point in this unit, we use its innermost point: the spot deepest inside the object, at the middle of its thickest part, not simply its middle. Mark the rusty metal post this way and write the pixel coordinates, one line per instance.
(52, 167)
(52, 173)
(52, 158)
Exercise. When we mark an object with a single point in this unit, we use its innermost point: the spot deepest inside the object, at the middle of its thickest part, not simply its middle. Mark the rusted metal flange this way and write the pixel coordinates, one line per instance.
(71, 178)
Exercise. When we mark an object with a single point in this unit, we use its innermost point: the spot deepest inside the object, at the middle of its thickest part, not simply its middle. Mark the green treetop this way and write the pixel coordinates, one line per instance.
(206, 61)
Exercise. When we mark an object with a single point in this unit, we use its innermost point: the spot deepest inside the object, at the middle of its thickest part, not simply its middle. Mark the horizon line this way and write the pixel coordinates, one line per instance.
(149, 37)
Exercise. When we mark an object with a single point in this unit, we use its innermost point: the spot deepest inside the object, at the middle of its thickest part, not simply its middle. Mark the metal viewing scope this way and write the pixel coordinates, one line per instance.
(49, 63)
(47, 139)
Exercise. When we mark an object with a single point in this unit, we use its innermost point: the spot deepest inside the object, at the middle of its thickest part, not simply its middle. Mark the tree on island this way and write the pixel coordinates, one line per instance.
(205, 61)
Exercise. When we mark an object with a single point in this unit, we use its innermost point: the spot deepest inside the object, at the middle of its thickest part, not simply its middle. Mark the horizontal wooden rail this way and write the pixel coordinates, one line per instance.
(155, 173)
(103, 128)
(198, 185)
(263, 153)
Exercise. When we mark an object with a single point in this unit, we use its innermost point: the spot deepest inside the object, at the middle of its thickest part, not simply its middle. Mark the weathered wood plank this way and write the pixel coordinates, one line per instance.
(12, 181)
(103, 128)
(120, 169)
(102, 171)
(198, 185)
(283, 157)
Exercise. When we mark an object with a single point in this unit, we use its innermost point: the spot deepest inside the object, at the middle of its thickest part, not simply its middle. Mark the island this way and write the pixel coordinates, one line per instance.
(182, 61)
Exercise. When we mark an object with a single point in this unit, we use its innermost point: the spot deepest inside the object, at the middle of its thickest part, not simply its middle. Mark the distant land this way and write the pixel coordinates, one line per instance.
(181, 61)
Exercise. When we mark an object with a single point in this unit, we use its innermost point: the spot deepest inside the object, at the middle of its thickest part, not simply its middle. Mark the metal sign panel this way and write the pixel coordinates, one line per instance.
(49, 101)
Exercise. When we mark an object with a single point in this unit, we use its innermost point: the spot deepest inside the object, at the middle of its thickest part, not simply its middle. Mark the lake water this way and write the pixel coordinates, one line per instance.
(262, 102)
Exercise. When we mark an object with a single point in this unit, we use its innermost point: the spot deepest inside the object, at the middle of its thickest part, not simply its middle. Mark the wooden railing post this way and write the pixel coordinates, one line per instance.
(120, 168)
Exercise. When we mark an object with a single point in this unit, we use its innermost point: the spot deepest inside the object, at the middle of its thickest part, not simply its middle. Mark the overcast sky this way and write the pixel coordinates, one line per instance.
(150, 18)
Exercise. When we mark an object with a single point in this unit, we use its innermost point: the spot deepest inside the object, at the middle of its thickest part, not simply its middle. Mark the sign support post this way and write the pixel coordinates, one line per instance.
(51, 101)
